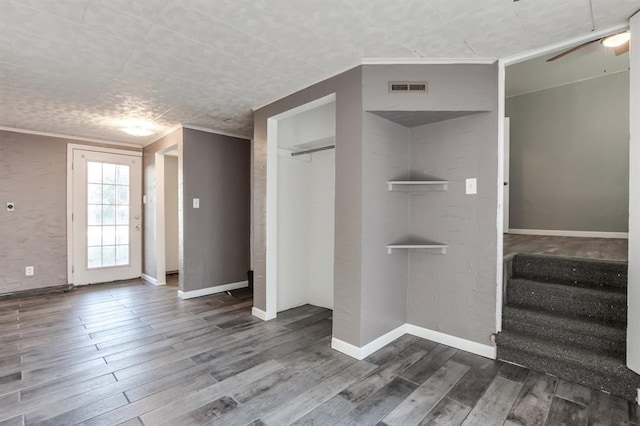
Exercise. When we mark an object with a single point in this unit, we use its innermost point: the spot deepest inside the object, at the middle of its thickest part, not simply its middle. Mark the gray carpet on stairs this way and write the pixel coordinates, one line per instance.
(567, 317)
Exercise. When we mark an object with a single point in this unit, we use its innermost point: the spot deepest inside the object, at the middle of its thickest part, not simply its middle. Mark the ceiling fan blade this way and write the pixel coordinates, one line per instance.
(623, 48)
(573, 49)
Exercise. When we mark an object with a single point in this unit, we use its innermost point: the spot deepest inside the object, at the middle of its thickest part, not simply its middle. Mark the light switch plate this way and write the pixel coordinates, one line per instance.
(471, 186)
(196, 203)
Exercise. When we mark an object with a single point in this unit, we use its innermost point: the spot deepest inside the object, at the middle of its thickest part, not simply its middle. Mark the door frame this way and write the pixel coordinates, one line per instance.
(160, 247)
(71, 147)
(502, 64)
(271, 291)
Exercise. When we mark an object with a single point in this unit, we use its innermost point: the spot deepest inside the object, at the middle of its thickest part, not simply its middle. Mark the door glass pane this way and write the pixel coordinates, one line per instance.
(107, 206)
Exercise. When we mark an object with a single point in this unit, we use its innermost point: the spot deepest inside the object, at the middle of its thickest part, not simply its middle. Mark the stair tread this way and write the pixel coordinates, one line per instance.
(616, 292)
(595, 326)
(578, 272)
(595, 361)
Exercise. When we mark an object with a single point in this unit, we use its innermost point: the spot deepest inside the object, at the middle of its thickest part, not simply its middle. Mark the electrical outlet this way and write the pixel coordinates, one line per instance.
(11, 206)
(28, 271)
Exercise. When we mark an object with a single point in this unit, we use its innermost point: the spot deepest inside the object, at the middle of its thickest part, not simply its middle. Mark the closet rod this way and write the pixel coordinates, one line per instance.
(309, 151)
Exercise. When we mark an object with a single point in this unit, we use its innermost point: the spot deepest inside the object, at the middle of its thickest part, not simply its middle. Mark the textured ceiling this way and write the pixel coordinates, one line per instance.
(80, 67)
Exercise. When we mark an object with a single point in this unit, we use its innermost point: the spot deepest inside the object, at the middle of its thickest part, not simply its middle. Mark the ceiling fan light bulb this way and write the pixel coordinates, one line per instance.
(617, 39)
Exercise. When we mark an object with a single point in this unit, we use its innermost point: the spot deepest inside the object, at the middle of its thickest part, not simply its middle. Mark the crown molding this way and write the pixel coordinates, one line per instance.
(62, 136)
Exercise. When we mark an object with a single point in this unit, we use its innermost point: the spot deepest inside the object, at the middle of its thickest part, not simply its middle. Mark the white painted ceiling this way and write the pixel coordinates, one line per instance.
(591, 61)
(79, 67)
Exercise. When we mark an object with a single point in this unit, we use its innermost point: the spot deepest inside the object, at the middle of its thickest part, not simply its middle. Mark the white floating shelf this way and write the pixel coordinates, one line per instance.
(432, 247)
(416, 185)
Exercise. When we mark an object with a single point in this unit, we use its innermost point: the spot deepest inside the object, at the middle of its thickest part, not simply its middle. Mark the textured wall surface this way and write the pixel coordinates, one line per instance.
(570, 156)
(386, 153)
(33, 174)
(348, 219)
(149, 264)
(455, 293)
(215, 169)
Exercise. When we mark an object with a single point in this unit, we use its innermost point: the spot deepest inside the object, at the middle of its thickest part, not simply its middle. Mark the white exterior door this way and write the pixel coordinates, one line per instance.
(107, 216)
(633, 316)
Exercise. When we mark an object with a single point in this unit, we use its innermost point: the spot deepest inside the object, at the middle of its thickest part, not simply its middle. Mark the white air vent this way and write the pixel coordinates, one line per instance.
(407, 87)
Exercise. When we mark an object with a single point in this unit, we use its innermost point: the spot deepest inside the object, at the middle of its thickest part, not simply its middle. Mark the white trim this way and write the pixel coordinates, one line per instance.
(427, 61)
(70, 148)
(167, 132)
(563, 233)
(486, 351)
(566, 44)
(152, 280)
(212, 290)
(217, 132)
(159, 230)
(360, 353)
(61, 136)
(500, 187)
(371, 347)
(259, 313)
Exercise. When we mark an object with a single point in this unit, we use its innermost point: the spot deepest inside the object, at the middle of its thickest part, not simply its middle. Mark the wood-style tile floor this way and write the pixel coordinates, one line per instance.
(135, 354)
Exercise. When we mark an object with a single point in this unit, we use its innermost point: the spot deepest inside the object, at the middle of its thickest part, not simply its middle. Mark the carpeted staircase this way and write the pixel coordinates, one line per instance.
(567, 317)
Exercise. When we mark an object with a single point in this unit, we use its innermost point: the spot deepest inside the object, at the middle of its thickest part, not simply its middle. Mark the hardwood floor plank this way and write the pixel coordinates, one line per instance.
(513, 372)
(448, 412)
(327, 413)
(566, 413)
(534, 402)
(605, 409)
(308, 401)
(383, 375)
(495, 404)
(79, 414)
(195, 400)
(378, 405)
(421, 401)
(429, 364)
(573, 392)
(473, 385)
(15, 421)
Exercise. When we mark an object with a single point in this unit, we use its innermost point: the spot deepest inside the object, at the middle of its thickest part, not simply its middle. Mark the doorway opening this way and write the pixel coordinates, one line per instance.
(301, 207)
(567, 154)
(168, 217)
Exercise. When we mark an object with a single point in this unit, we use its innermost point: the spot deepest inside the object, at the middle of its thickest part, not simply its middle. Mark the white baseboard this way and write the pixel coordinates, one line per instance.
(152, 280)
(211, 290)
(371, 347)
(486, 351)
(360, 353)
(259, 313)
(560, 233)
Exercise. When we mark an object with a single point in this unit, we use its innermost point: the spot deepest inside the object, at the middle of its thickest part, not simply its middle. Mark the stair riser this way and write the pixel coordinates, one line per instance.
(578, 272)
(559, 335)
(612, 383)
(568, 301)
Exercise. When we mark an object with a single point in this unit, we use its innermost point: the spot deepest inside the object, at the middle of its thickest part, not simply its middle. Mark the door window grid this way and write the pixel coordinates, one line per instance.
(107, 215)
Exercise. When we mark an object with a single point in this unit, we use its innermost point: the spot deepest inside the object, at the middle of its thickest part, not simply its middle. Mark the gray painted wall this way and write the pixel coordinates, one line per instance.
(215, 169)
(386, 154)
(348, 216)
(33, 174)
(455, 293)
(570, 156)
(149, 263)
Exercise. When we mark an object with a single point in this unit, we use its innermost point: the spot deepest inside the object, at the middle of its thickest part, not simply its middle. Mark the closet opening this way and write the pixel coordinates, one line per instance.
(301, 207)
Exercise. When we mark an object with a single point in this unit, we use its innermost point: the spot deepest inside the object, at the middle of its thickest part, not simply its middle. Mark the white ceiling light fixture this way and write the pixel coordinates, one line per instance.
(617, 39)
(138, 128)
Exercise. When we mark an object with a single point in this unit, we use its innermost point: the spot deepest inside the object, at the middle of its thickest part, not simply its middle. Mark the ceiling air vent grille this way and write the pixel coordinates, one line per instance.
(407, 87)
